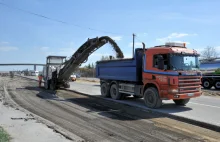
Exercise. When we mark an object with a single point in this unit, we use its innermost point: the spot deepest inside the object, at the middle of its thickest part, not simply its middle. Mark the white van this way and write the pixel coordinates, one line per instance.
(34, 73)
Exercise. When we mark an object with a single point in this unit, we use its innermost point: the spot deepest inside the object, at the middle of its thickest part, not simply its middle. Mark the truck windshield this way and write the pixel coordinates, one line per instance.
(184, 62)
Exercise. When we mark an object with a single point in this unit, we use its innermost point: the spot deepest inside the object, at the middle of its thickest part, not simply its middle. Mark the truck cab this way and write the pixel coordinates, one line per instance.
(174, 71)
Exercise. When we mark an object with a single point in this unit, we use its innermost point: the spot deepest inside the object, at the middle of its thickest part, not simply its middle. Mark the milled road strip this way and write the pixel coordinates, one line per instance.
(32, 125)
(83, 116)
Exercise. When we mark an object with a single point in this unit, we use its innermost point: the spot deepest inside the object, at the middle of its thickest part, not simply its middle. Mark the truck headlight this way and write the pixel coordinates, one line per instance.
(173, 91)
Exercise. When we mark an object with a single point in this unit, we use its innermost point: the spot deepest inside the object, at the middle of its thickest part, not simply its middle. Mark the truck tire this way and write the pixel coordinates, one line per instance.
(181, 102)
(152, 98)
(105, 92)
(217, 85)
(206, 84)
(114, 92)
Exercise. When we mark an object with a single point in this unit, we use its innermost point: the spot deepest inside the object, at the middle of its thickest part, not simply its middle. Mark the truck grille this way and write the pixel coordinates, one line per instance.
(189, 84)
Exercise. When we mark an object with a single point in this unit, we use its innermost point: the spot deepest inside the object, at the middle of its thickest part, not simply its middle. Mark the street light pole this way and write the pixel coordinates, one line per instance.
(133, 45)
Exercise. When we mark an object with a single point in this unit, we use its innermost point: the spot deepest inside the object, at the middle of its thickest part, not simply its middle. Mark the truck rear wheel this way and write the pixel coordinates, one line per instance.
(152, 98)
(105, 90)
(206, 84)
(114, 92)
(181, 102)
(217, 85)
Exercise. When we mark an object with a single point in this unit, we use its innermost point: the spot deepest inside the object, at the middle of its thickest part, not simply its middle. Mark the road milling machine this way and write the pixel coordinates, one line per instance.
(58, 69)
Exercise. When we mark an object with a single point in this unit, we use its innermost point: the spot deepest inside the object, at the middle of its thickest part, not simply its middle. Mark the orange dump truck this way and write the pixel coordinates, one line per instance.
(164, 72)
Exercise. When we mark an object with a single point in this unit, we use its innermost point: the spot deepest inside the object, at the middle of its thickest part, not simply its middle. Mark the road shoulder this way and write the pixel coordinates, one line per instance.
(23, 125)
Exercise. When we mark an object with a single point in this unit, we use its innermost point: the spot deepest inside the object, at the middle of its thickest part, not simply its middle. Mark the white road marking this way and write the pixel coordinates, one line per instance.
(204, 105)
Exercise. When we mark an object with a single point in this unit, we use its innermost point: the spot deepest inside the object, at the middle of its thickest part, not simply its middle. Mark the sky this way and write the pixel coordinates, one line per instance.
(28, 38)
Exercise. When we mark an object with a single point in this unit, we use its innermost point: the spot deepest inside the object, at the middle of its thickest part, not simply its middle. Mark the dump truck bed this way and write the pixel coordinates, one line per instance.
(121, 69)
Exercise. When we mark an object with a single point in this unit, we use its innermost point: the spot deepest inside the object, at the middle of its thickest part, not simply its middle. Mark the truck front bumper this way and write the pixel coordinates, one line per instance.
(184, 96)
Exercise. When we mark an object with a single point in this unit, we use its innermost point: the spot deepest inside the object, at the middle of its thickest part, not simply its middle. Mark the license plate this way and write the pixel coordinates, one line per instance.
(190, 94)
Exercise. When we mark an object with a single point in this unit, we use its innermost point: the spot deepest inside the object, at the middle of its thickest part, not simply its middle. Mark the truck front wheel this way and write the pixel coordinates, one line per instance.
(181, 102)
(152, 98)
(206, 84)
(105, 90)
(114, 92)
(217, 85)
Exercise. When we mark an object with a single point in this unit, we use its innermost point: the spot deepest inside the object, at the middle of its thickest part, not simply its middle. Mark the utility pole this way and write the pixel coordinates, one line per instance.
(133, 45)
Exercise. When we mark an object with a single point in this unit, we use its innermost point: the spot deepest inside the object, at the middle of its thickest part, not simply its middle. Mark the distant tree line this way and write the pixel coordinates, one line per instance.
(107, 58)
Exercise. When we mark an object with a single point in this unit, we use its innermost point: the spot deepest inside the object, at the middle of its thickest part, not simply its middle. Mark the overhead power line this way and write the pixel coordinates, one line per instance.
(57, 20)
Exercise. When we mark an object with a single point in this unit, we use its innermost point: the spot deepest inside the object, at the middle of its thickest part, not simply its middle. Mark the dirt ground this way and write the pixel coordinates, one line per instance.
(101, 120)
(211, 92)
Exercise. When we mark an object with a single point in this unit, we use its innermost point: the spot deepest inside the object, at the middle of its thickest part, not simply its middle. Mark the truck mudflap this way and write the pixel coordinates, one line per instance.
(184, 96)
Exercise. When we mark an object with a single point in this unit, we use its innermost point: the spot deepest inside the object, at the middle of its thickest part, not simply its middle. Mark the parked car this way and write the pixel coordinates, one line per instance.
(34, 73)
(73, 77)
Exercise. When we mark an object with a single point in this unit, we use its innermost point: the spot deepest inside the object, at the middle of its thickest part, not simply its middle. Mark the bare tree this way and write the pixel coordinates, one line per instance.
(209, 53)
(106, 58)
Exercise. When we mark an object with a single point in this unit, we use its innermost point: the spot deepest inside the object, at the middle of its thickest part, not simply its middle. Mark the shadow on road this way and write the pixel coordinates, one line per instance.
(133, 109)
(166, 107)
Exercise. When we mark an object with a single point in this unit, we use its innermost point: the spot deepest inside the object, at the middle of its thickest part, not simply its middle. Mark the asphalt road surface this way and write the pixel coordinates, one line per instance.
(96, 119)
(204, 108)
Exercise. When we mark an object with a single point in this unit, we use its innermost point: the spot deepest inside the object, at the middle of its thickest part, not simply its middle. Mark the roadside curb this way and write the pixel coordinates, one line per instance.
(180, 118)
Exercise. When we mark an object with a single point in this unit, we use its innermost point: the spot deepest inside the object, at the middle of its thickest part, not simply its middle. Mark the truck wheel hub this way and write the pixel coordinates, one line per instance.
(114, 91)
(206, 83)
(150, 98)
